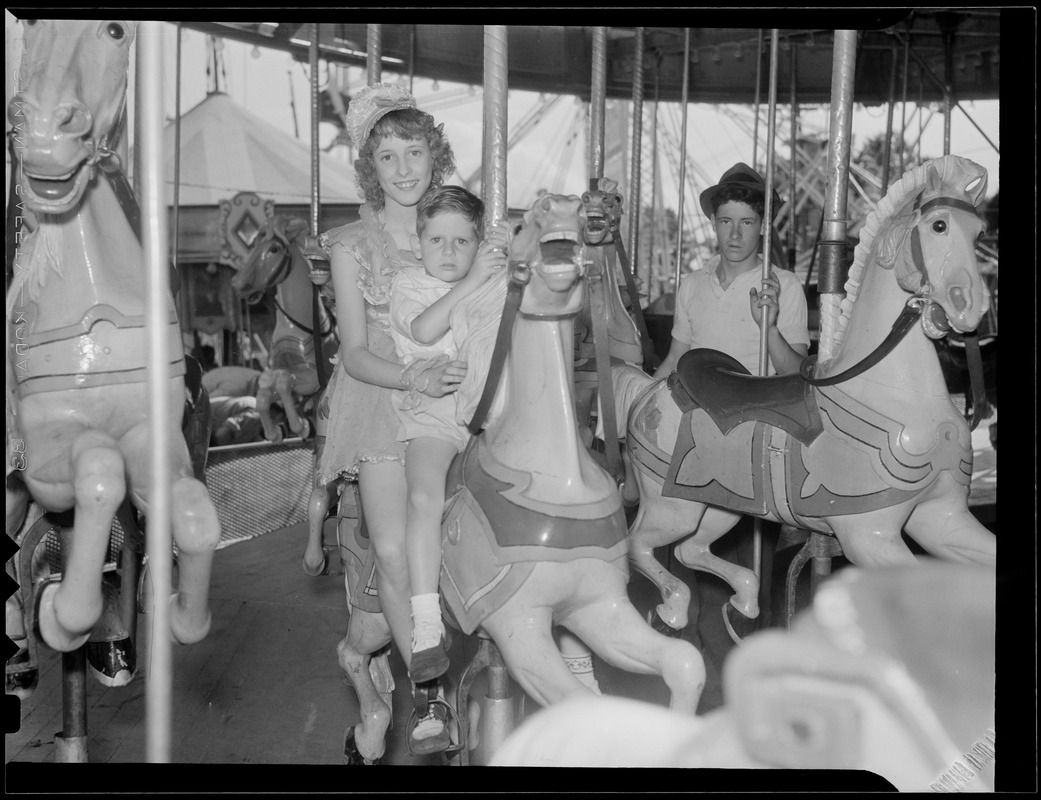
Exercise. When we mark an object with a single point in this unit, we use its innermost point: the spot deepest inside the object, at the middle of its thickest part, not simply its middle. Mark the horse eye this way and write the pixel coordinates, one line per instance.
(115, 30)
(940, 226)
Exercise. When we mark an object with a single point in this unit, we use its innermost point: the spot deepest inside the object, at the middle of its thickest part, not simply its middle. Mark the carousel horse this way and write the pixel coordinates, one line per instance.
(863, 681)
(277, 263)
(533, 531)
(76, 319)
(604, 330)
(863, 447)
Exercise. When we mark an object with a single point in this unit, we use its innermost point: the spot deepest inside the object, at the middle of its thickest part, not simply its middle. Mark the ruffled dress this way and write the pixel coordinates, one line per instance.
(362, 423)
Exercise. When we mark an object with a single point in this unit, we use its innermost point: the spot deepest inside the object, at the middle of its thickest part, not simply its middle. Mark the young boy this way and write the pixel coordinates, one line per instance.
(710, 306)
(711, 311)
(449, 226)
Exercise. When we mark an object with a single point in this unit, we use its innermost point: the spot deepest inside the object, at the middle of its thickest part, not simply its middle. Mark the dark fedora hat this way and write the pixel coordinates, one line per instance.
(738, 175)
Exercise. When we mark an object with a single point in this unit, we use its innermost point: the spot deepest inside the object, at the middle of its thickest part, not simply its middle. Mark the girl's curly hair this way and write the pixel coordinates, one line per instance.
(407, 123)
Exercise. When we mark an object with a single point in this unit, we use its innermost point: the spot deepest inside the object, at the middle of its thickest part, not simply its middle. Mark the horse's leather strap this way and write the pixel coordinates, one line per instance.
(908, 317)
(649, 359)
(974, 360)
(514, 293)
(601, 346)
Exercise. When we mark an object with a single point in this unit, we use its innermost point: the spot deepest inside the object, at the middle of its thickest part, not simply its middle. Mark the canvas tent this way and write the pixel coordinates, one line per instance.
(226, 149)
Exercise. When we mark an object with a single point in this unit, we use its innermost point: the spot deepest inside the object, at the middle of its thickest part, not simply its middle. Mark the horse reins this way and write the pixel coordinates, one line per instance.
(514, 293)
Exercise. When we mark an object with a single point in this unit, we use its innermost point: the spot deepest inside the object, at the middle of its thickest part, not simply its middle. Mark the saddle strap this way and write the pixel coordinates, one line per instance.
(514, 293)
(904, 322)
(649, 359)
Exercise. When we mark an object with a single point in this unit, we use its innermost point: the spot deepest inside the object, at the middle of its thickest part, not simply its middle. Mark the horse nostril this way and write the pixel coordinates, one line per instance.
(958, 299)
(73, 119)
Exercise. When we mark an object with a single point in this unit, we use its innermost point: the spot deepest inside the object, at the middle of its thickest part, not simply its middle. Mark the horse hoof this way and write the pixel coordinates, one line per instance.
(181, 636)
(323, 568)
(352, 757)
(48, 629)
(661, 626)
(112, 663)
(737, 624)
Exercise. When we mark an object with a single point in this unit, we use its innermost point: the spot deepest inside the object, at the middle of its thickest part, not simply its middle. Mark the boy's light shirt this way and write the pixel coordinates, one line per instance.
(707, 315)
(412, 292)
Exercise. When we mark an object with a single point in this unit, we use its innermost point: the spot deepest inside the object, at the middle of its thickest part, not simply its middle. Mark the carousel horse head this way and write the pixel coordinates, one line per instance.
(546, 254)
(930, 242)
(603, 207)
(271, 258)
(69, 106)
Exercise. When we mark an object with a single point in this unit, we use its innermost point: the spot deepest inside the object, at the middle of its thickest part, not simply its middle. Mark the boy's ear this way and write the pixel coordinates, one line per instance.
(414, 241)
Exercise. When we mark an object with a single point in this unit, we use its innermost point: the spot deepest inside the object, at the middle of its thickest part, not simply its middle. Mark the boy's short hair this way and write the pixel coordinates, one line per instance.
(454, 199)
(739, 194)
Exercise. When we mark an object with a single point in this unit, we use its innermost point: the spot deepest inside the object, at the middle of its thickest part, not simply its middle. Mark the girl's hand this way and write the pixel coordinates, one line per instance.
(766, 299)
(443, 379)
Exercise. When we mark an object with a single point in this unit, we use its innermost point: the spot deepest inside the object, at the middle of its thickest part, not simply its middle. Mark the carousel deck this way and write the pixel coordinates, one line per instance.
(265, 688)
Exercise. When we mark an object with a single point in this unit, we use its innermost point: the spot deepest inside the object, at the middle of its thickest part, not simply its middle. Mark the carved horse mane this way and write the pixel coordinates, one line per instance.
(885, 223)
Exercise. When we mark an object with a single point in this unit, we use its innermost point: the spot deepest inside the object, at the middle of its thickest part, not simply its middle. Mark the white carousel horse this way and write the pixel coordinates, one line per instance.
(869, 678)
(76, 318)
(867, 448)
(276, 262)
(533, 532)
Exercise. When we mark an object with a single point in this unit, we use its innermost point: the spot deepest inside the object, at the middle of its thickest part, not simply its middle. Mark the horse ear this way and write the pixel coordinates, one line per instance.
(294, 226)
(933, 181)
(889, 242)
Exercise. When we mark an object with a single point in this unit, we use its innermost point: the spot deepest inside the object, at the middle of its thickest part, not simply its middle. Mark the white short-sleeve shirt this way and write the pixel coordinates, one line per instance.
(707, 315)
(412, 292)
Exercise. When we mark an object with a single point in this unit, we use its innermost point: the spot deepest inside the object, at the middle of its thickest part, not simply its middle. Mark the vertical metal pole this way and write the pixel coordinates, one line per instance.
(374, 54)
(656, 242)
(315, 117)
(794, 161)
(683, 163)
(758, 73)
(635, 171)
(176, 225)
(764, 356)
(831, 280)
(887, 151)
(153, 234)
(496, 89)
(597, 106)
(948, 87)
(771, 116)
(411, 57)
(903, 107)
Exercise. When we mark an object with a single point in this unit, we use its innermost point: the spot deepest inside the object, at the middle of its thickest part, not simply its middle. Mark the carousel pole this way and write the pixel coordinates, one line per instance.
(597, 107)
(635, 171)
(833, 241)
(794, 159)
(153, 234)
(683, 165)
(312, 244)
(655, 273)
(498, 706)
(764, 356)
(374, 54)
(903, 107)
(887, 151)
(758, 73)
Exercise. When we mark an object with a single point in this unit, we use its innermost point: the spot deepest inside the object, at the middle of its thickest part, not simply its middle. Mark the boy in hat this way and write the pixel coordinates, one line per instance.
(712, 311)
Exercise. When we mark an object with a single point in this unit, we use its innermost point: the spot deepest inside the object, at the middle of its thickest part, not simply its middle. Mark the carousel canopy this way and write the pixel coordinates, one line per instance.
(226, 149)
(956, 44)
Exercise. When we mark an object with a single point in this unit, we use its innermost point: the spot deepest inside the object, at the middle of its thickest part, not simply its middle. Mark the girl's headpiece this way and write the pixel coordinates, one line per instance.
(370, 105)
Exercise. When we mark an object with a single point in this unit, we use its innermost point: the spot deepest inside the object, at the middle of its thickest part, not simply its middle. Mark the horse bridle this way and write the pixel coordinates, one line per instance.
(908, 316)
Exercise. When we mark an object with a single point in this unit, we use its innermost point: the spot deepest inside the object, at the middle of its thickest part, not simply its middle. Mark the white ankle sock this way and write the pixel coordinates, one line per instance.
(427, 627)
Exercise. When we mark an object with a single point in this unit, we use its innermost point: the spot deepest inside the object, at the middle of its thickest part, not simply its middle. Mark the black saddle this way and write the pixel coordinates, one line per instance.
(722, 387)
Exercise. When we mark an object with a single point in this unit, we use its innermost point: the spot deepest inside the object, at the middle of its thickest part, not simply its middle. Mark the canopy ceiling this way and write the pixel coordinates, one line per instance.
(956, 44)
